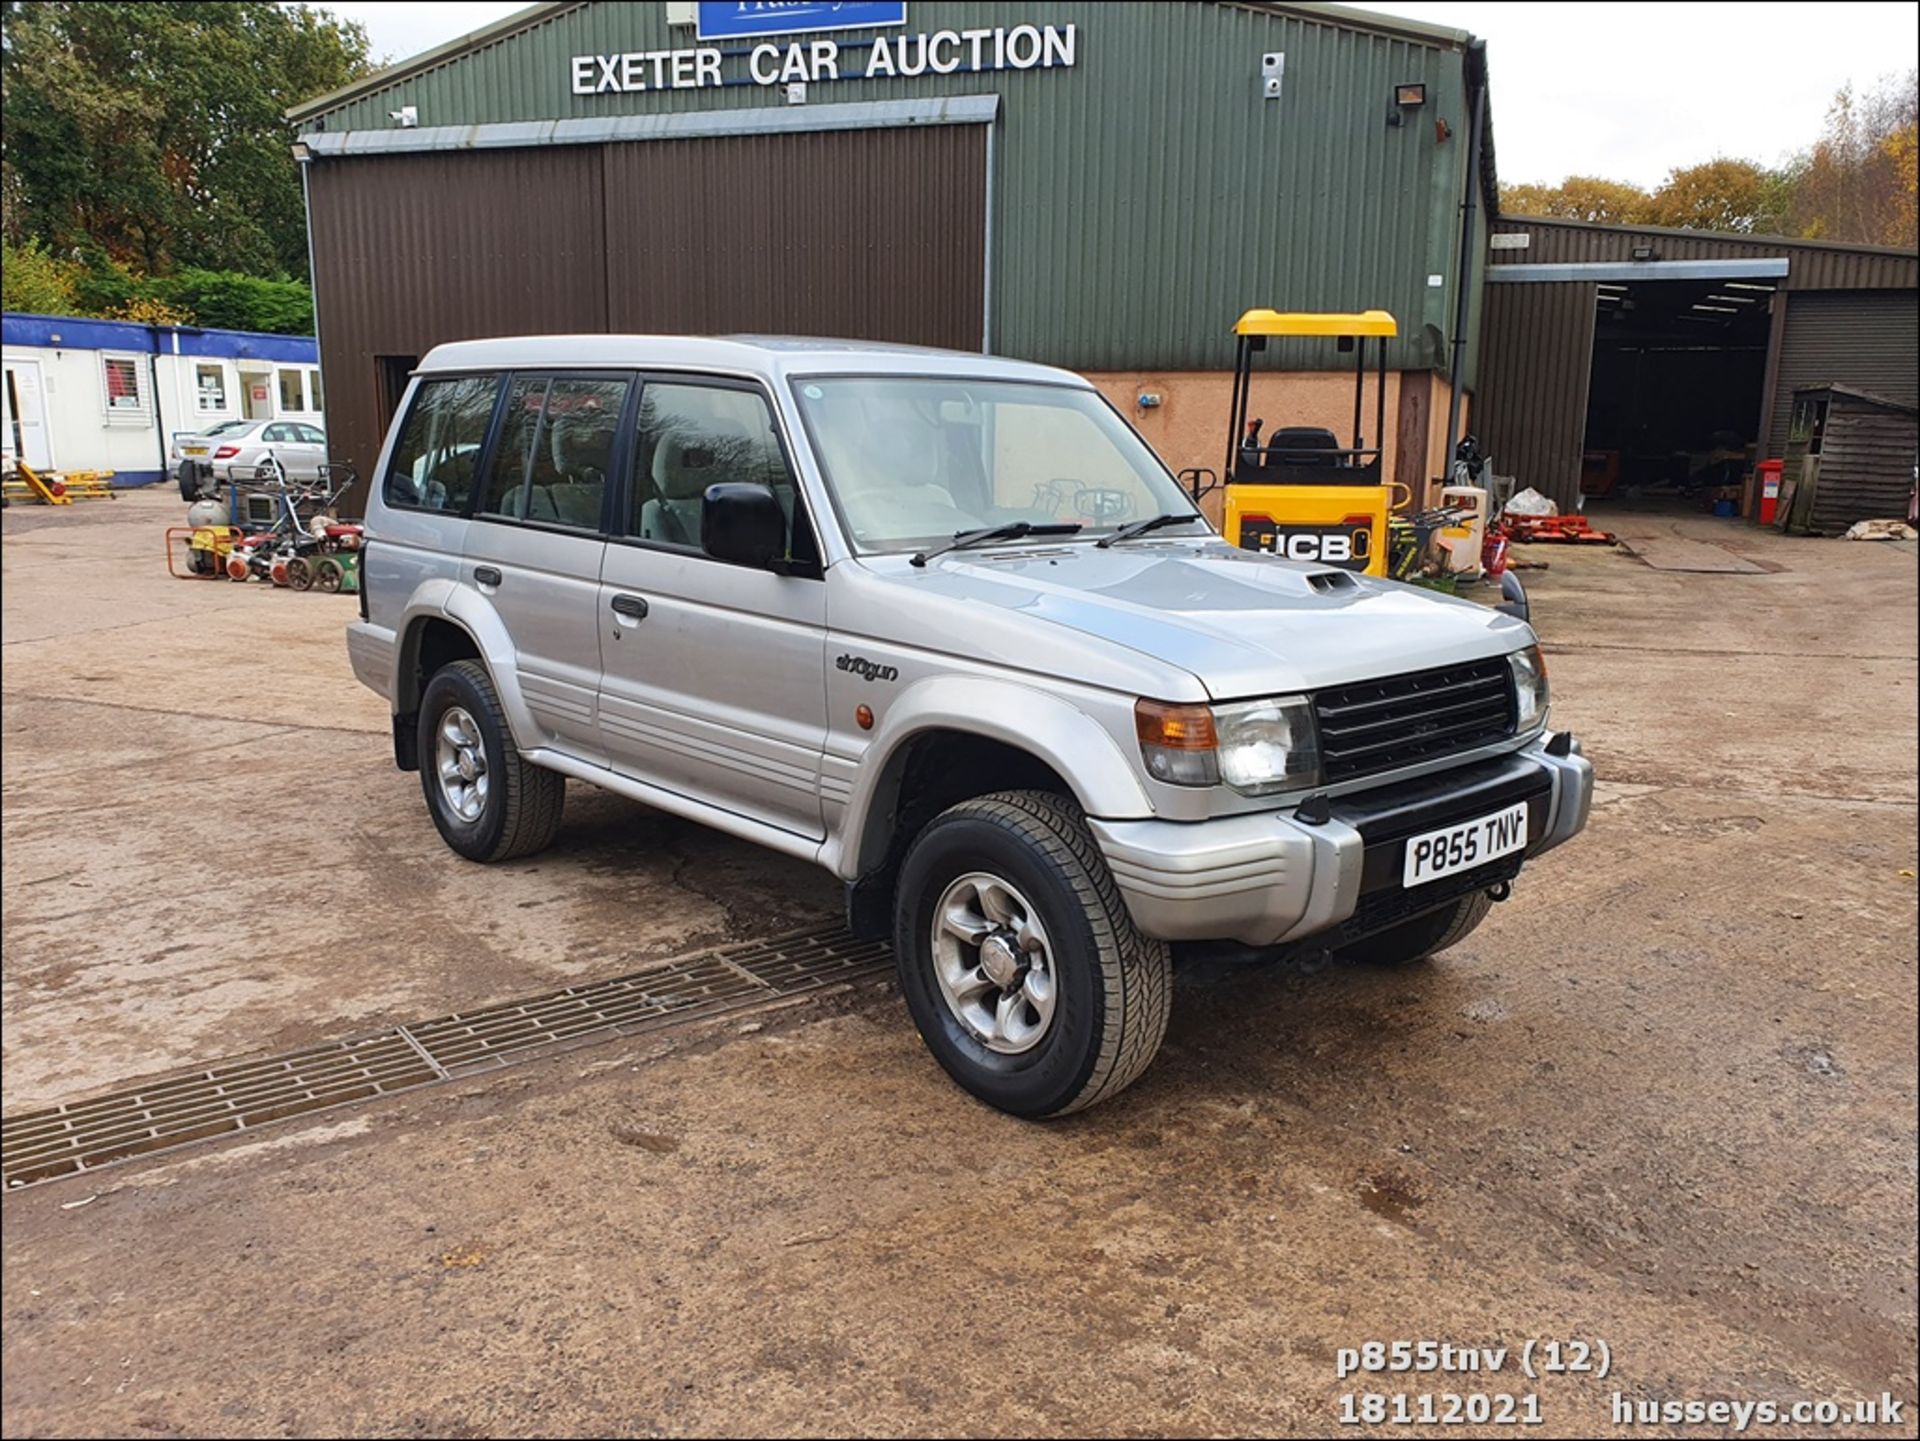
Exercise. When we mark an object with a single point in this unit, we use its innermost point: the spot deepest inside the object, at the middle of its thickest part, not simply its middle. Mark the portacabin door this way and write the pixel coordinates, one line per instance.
(536, 541)
(712, 674)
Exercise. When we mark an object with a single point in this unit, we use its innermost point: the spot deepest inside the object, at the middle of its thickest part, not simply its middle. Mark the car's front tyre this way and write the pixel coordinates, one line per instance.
(1018, 959)
(487, 803)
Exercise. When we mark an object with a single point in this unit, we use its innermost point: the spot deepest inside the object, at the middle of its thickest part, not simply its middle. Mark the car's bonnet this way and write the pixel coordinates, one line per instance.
(1244, 624)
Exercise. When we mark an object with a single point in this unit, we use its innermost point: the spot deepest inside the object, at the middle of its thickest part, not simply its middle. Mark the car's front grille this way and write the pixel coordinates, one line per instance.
(1377, 725)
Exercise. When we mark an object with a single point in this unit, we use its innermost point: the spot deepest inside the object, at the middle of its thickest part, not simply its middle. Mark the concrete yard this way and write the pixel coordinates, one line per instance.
(1664, 1099)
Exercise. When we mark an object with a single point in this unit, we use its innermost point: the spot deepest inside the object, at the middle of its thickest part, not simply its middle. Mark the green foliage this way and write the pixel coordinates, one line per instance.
(241, 302)
(157, 131)
(33, 280)
(93, 283)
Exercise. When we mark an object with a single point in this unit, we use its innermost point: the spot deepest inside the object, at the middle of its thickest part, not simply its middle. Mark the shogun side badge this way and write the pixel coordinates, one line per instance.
(866, 669)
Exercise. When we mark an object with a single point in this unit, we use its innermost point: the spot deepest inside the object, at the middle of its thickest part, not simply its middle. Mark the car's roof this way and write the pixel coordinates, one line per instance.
(770, 356)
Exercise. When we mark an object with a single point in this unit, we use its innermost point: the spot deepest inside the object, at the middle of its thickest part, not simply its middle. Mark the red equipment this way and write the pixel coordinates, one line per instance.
(1769, 473)
(1564, 529)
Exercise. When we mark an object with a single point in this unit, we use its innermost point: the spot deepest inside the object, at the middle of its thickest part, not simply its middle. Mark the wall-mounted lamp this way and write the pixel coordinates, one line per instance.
(1406, 97)
(1642, 252)
(301, 152)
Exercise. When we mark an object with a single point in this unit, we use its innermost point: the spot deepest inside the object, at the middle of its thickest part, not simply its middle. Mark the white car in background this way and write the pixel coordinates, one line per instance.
(235, 449)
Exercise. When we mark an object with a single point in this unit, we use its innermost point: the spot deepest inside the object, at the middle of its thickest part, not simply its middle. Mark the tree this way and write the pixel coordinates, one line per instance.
(1857, 181)
(156, 130)
(1578, 197)
(34, 281)
(1735, 195)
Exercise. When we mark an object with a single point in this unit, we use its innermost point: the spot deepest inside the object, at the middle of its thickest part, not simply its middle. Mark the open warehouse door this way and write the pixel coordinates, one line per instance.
(1675, 397)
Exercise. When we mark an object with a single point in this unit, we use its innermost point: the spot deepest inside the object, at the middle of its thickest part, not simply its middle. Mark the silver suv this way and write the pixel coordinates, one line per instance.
(946, 626)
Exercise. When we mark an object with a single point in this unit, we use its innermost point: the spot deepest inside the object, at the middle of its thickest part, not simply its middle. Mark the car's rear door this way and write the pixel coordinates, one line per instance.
(538, 534)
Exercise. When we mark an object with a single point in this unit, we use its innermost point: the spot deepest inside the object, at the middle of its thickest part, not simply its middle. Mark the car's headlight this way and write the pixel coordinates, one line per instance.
(1529, 689)
(1257, 746)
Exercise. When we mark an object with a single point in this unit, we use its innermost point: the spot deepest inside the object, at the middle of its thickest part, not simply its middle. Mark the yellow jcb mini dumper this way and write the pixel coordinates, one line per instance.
(1298, 492)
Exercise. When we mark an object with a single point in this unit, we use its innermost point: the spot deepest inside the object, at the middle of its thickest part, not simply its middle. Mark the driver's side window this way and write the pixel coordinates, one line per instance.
(690, 436)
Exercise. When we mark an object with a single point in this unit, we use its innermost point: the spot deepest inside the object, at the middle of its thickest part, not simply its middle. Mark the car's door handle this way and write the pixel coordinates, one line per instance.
(487, 575)
(633, 605)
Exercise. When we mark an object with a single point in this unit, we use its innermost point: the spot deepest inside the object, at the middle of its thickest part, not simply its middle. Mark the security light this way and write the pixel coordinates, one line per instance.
(1642, 252)
(300, 151)
(1408, 96)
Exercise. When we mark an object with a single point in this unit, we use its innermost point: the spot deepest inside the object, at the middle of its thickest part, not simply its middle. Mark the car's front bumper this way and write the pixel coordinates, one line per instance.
(1272, 877)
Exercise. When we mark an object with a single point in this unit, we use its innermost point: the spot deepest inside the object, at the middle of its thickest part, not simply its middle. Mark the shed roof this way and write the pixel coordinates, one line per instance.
(1855, 393)
(1814, 264)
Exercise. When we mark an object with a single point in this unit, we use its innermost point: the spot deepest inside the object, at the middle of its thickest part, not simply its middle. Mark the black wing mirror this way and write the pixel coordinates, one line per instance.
(742, 523)
(1513, 596)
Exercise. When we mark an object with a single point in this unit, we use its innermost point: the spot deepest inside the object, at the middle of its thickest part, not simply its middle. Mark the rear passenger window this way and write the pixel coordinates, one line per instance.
(439, 446)
(694, 436)
(554, 452)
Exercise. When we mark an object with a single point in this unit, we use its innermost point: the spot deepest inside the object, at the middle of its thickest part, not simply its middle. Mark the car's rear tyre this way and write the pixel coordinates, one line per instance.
(487, 803)
(1018, 959)
(1423, 936)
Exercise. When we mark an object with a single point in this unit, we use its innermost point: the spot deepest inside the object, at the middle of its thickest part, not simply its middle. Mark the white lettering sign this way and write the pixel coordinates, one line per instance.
(944, 52)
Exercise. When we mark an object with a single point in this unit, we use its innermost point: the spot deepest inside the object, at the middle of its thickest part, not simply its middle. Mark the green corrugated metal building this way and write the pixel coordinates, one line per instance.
(1099, 186)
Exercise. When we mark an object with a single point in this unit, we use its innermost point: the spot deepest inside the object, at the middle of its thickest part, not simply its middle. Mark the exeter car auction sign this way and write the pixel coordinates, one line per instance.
(888, 57)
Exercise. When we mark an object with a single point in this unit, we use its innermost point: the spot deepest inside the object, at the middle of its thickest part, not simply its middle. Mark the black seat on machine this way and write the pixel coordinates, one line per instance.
(1303, 445)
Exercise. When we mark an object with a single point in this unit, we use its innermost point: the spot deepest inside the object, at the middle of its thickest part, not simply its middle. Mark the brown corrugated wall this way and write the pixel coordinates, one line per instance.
(874, 234)
(1864, 339)
(1531, 410)
(868, 234)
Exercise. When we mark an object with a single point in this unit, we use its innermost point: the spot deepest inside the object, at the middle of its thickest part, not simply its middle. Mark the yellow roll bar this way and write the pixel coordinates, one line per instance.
(1274, 322)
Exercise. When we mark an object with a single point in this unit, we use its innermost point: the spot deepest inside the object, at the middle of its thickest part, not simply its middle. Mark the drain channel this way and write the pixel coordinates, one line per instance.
(240, 1095)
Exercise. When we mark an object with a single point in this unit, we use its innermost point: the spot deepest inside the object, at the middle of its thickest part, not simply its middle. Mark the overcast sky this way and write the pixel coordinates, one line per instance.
(1627, 91)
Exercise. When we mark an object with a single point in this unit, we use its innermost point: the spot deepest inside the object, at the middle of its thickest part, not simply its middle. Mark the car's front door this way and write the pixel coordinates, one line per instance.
(713, 678)
(535, 544)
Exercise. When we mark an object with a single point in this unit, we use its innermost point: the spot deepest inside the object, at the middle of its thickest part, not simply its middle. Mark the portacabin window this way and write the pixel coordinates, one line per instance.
(315, 400)
(210, 387)
(120, 384)
(434, 459)
(292, 390)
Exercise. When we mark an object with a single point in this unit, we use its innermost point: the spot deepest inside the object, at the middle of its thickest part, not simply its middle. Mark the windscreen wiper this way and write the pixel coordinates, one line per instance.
(1013, 530)
(1144, 527)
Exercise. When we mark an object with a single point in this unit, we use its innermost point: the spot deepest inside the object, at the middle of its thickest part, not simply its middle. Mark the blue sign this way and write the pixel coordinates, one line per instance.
(734, 18)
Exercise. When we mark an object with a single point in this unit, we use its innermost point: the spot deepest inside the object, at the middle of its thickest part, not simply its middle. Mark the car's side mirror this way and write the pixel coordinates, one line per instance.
(742, 523)
(1514, 596)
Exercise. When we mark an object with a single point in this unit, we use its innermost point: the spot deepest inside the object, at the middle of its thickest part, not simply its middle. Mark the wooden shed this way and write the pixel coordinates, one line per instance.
(1850, 456)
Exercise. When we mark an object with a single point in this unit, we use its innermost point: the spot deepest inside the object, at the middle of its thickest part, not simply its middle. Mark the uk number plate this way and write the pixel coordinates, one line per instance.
(1462, 847)
(194, 449)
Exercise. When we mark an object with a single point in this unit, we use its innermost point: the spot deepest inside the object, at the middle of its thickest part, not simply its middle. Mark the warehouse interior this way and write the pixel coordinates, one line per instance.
(1676, 390)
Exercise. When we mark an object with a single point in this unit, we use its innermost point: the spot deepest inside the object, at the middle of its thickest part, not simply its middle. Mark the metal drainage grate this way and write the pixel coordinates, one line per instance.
(240, 1095)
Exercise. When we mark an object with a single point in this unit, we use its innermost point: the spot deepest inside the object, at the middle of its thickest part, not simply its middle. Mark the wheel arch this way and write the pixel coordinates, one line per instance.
(461, 627)
(945, 742)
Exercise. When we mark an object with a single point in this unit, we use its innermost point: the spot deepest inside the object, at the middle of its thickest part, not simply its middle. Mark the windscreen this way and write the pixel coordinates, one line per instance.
(913, 460)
